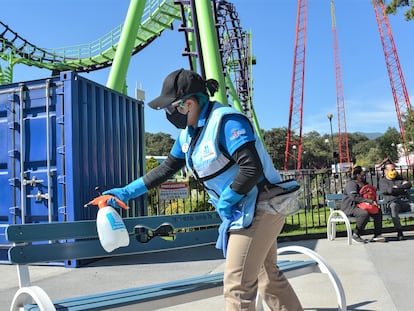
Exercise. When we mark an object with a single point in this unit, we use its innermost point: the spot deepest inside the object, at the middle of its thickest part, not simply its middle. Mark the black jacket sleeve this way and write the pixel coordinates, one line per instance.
(351, 197)
(164, 171)
(250, 168)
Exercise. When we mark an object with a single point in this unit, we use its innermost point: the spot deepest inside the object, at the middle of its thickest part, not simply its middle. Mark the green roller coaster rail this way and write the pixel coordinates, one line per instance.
(116, 47)
(158, 15)
(119, 69)
(209, 44)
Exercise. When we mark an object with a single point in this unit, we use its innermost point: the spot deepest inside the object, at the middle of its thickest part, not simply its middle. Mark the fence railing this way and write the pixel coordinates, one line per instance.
(315, 186)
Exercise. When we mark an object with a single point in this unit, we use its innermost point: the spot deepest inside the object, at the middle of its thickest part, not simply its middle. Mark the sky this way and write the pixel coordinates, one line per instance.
(369, 104)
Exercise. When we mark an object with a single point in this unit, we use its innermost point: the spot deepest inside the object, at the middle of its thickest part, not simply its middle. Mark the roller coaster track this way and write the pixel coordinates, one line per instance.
(236, 55)
(235, 52)
(158, 16)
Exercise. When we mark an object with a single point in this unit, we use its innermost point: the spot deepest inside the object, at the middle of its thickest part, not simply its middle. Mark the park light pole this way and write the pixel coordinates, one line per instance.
(330, 116)
(295, 155)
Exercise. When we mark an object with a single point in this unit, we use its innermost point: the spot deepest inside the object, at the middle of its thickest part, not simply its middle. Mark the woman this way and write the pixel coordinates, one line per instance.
(349, 205)
(219, 146)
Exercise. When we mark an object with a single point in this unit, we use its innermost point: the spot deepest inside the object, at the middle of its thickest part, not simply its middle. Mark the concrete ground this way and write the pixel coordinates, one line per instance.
(375, 276)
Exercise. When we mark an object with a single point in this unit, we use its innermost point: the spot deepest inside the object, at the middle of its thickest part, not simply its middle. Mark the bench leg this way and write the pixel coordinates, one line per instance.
(331, 226)
(348, 230)
(324, 268)
(25, 295)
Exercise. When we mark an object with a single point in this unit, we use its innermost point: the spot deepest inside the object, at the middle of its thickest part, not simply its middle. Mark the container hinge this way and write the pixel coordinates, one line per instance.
(60, 120)
(13, 125)
(32, 182)
(60, 90)
(61, 149)
(62, 210)
(14, 182)
(12, 98)
(39, 196)
(61, 179)
(13, 153)
(15, 210)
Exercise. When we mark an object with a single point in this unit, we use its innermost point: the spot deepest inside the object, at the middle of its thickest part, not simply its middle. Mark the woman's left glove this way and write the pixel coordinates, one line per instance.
(130, 191)
(228, 199)
(228, 213)
(223, 237)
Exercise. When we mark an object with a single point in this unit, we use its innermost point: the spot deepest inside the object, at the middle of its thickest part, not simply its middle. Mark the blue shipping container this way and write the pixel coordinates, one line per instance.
(59, 139)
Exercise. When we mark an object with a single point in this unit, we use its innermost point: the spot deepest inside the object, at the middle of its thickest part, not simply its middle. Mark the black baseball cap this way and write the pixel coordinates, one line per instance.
(178, 84)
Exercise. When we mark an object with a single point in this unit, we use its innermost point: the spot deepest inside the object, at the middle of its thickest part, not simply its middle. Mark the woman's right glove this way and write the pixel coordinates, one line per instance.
(228, 199)
(130, 191)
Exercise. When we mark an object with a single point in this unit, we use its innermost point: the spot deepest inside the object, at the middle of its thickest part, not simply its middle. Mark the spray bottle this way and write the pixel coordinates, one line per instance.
(111, 229)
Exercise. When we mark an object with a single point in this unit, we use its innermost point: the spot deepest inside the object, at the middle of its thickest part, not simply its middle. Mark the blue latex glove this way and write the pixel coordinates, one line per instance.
(223, 237)
(130, 191)
(228, 199)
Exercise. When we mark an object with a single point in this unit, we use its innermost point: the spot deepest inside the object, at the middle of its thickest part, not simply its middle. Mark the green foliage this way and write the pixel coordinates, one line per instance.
(316, 148)
(275, 142)
(152, 194)
(387, 144)
(392, 8)
(408, 120)
(365, 152)
(158, 144)
(316, 153)
(151, 163)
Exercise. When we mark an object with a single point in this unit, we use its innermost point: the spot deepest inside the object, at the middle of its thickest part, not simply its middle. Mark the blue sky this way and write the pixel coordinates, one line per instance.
(369, 105)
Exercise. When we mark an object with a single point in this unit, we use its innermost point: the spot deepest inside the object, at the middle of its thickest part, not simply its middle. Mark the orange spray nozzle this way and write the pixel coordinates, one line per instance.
(101, 201)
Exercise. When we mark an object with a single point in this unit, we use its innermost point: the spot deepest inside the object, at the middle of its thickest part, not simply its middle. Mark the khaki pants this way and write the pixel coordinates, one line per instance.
(251, 266)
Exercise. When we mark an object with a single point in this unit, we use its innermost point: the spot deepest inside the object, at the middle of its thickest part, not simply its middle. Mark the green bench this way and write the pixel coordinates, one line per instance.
(73, 241)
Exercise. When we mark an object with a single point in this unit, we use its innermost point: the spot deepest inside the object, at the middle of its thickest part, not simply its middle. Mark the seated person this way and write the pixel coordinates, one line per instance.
(349, 205)
(394, 191)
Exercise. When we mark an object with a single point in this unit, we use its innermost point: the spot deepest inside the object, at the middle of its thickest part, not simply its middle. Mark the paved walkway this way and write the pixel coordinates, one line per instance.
(375, 276)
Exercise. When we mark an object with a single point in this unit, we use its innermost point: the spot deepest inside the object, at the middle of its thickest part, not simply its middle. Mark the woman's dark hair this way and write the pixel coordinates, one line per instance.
(356, 170)
(212, 86)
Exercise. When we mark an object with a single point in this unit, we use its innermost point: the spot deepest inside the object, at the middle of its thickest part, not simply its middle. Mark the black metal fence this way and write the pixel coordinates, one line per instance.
(315, 186)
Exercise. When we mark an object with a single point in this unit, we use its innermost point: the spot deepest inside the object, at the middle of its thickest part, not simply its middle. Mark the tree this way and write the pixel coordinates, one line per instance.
(152, 194)
(355, 139)
(158, 144)
(387, 144)
(275, 142)
(316, 152)
(392, 8)
(408, 119)
(366, 153)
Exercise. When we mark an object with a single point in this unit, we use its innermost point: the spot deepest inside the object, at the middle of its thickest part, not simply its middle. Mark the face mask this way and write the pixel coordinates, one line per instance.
(363, 178)
(392, 174)
(179, 120)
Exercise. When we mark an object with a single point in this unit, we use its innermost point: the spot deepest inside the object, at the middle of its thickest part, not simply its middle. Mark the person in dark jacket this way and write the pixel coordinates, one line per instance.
(349, 205)
(394, 190)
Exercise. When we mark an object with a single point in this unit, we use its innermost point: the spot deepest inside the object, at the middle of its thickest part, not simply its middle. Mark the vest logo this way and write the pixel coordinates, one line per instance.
(207, 151)
(236, 133)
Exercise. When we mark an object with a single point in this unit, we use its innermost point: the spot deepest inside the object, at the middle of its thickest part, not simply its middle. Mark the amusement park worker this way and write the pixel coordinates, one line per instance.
(219, 146)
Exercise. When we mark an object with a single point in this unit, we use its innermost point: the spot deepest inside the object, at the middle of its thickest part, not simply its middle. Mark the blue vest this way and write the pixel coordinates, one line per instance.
(216, 170)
